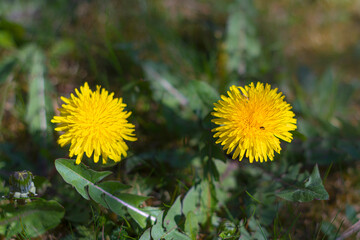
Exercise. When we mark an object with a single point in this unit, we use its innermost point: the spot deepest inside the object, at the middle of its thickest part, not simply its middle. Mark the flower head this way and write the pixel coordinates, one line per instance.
(252, 120)
(94, 123)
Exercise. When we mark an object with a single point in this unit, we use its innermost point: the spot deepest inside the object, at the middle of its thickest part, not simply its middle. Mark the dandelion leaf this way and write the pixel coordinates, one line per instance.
(200, 199)
(173, 215)
(176, 235)
(191, 225)
(31, 219)
(79, 176)
(167, 227)
(146, 235)
(309, 190)
(157, 231)
(107, 193)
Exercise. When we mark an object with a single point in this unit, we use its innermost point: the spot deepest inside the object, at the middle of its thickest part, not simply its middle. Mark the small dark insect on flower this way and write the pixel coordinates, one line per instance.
(262, 128)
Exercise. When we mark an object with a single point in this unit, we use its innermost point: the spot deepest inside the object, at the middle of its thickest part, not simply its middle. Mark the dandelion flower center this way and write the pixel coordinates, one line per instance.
(252, 120)
(94, 123)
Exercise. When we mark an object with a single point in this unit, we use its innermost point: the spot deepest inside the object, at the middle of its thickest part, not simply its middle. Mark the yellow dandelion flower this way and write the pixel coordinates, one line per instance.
(94, 123)
(252, 120)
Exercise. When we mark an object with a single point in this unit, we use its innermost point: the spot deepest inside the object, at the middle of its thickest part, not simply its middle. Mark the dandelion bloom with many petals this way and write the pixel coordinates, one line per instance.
(94, 123)
(252, 120)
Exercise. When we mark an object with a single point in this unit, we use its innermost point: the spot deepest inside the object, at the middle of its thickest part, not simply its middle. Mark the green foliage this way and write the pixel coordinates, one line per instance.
(168, 227)
(201, 200)
(256, 231)
(191, 225)
(39, 109)
(32, 219)
(86, 182)
(146, 235)
(312, 188)
(172, 217)
(181, 214)
(170, 61)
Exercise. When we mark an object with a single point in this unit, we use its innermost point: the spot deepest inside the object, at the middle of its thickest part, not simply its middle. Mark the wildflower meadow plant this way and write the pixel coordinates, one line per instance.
(188, 90)
(251, 120)
(94, 123)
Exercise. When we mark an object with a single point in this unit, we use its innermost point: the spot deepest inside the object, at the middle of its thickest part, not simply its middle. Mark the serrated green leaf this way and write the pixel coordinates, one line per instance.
(35, 217)
(191, 225)
(113, 187)
(157, 231)
(153, 211)
(85, 180)
(173, 215)
(166, 227)
(146, 235)
(313, 188)
(200, 200)
(208, 200)
(191, 199)
(79, 176)
(176, 235)
(134, 200)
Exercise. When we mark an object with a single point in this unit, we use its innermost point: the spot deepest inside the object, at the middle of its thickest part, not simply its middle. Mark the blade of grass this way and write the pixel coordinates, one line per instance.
(329, 225)
(252, 197)
(327, 172)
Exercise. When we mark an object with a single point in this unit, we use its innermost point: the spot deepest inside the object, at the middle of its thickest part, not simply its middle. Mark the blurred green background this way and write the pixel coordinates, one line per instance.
(170, 60)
